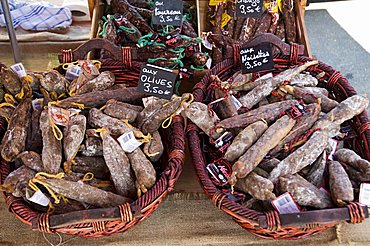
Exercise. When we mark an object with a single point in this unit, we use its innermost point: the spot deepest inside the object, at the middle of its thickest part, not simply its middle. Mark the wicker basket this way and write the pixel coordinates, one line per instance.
(107, 221)
(270, 224)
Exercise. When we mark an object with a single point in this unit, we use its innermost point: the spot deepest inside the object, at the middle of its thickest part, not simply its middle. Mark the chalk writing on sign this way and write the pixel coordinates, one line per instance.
(249, 8)
(167, 12)
(256, 58)
(156, 81)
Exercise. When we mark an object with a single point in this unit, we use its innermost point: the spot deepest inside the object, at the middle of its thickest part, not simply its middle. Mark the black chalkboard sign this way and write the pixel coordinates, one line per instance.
(256, 58)
(167, 12)
(156, 81)
(249, 8)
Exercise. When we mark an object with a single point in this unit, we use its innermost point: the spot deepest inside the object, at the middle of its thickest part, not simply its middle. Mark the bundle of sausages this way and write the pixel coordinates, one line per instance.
(129, 24)
(99, 146)
(283, 128)
(281, 22)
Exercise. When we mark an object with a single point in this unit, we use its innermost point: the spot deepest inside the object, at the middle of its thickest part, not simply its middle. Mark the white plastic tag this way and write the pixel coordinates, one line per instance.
(221, 141)
(19, 69)
(88, 67)
(205, 42)
(364, 197)
(92, 133)
(37, 104)
(266, 76)
(334, 145)
(148, 100)
(73, 73)
(236, 102)
(128, 142)
(74, 111)
(209, 63)
(59, 116)
(39, 198)
(285, 204)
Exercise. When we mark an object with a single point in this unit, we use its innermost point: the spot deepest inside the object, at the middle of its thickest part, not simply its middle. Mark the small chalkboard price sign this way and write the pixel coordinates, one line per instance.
(156, 81)
(168, 12)
(249, 8)
(256, 58)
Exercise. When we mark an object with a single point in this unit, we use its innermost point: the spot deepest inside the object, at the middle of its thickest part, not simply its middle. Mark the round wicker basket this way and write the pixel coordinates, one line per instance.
(270, 224)
(107, 221)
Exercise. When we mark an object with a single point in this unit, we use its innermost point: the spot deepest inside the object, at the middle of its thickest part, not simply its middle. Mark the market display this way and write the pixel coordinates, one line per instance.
(87, 149)
(280, 141)
(226, 27)
(131, 24)
(273, 137)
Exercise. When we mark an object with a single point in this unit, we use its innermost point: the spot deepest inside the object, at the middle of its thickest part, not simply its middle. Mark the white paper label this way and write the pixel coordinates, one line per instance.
(220, 141)
(19, 69)
(285, 204)
(89, 68)
(205, 42)
(334, 145)
(73, 73)
(60, 116)
(148, 100)
(74, 111)
(236, 103)
(364, 197)
(209, 63)
(37, 104)
(39, 198)
(266, 76)
(128, 142)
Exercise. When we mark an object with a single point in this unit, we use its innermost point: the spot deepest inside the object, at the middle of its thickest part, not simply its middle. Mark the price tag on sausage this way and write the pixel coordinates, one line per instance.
(249, 8)
(38, 197)
(334, 146)
(364, 197)
(19, 69)
(156, 81)
(285, 204)
(257, 58)
(59, 116)
(167, 12)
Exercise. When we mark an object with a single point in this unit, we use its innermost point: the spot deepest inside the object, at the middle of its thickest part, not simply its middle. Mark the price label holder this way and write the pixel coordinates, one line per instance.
(285, 204)
(364, 197)
(60, 116)
(334, 146)
(156, 81)
(19, 69)
(168, 12)
(219, 171)
(249, 8)
(256, 58)
(38, 197)
(73, 73)
(37, 104)
(128, 142)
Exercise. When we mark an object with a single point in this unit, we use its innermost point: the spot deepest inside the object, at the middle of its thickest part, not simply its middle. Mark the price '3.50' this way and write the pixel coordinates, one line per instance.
(250, 65)
(247, 10)
(155, 89)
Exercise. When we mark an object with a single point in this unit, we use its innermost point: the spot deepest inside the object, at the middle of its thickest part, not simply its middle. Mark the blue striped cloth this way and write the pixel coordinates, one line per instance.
(37, 17)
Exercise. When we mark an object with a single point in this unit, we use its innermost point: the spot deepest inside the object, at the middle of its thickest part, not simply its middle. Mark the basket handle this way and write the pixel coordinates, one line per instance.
(96, 43)
(177, 155)
(50, 223)
(318, 216)
(284, 48)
